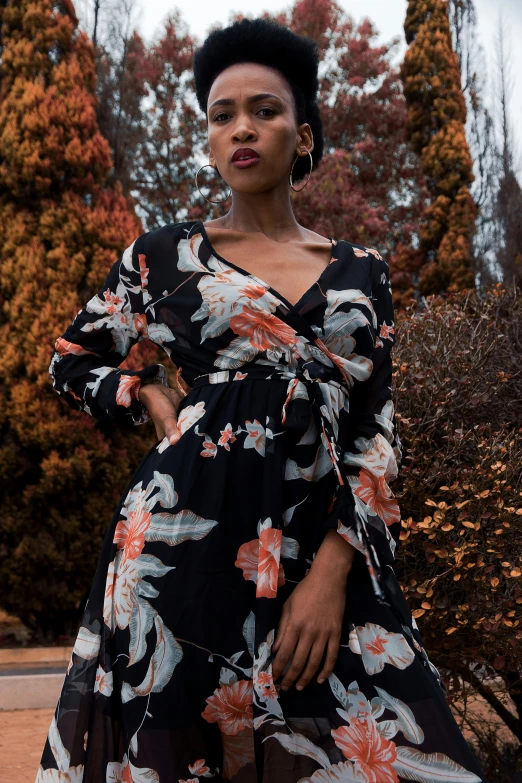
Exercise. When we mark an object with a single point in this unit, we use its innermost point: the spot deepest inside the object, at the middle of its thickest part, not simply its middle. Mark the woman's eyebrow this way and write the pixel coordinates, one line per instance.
(252, 99)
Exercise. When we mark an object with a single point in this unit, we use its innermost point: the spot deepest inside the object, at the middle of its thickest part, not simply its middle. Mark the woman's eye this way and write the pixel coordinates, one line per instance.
(224, 114)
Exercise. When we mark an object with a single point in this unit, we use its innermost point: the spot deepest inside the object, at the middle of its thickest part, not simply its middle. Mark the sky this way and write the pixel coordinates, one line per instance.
(387, 16)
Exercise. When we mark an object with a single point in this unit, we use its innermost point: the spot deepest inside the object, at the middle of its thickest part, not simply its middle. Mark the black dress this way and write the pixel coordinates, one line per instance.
(289, 431)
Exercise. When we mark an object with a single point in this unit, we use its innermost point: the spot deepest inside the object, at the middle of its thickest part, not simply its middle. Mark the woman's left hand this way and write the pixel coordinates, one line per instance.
(311, 621)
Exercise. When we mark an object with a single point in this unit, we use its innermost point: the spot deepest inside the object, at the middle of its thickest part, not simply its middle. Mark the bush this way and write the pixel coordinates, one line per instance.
(458, 389)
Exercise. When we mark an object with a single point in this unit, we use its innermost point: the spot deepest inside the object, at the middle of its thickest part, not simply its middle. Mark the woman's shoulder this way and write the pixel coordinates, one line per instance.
(162, 238)
(360, 250)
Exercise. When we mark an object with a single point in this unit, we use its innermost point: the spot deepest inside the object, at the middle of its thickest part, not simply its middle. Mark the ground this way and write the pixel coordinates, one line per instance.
(22, 739)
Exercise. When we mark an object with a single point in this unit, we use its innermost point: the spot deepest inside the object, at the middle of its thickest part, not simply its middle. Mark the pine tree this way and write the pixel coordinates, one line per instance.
(436, 131)
(61, 472)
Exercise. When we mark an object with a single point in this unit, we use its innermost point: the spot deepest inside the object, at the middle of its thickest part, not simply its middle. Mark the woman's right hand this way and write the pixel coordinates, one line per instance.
(162, 403)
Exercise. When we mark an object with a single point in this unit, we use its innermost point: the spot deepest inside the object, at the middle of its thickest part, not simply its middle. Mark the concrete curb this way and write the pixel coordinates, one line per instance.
(17, 655)
(30, 691)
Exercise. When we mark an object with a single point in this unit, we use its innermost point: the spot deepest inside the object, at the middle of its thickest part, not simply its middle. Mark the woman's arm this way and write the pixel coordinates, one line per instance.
(85, 360)
(334, 556)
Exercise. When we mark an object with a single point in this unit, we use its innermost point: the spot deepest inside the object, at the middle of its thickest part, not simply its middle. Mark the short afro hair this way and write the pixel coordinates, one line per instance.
(266, 42)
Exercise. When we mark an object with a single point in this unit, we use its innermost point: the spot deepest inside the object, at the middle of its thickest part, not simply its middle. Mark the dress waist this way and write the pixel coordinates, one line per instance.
(302, 373)
(312, 390)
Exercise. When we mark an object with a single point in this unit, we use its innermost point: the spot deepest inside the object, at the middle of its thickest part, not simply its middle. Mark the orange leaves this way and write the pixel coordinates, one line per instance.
(461, 533)
(48, 129)
(436, 130)
(61, 231)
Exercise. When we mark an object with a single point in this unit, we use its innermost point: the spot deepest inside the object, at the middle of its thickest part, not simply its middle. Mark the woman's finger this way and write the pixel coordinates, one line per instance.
(285, 651)
(170, 425)
(162, 404)
(331, 657)
(314, 661)
(298, 661)
(280, 629)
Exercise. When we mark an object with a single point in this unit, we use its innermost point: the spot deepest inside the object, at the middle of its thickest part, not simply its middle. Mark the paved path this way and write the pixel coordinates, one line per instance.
(22, 739)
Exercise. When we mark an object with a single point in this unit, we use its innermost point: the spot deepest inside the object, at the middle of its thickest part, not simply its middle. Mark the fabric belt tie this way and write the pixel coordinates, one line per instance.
(309, 390)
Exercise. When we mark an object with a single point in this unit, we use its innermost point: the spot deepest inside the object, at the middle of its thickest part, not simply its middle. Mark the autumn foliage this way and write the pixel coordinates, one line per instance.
(436, 131)
(459, 401)
(61, 473)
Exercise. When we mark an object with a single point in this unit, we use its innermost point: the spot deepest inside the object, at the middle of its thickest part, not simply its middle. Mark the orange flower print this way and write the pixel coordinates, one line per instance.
(119, 588)
(375, 492)
(64, 347)
(227, 435)
(386, 331)
(231, 707)
(256, 436)
(248, 559)
(103, 682)
(270, 573)
(128, 388)
(374, 252)
(377, 646)
(362, 743)
(209, 449)
(144, 270)
(125, 772)
(252, 290)
(129, 534)
(113, 302)
(263, 329)
(199, 768)
(266, 683)
(359, 253)
(141, 325)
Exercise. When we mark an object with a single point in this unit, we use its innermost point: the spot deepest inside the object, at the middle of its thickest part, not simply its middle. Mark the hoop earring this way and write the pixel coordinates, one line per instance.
(309, 173)
(213, 201)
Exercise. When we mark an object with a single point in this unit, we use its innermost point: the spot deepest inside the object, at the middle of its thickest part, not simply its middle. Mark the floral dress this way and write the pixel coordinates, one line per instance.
(288, 431)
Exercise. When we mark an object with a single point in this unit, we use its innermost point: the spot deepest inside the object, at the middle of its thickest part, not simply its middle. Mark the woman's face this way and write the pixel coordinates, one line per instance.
(267, 125)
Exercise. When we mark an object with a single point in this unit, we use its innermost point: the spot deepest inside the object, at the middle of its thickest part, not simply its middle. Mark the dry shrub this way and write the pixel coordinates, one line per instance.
(458, 387)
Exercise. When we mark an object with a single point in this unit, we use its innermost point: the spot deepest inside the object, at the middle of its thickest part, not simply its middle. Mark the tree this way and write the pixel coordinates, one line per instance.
(167, 159)
(436, 130)
(480, 131)
(121, 89)
(508, 206)
(61, 473)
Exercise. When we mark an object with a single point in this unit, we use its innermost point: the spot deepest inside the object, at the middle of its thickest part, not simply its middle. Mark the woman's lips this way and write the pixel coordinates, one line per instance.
(243, 164)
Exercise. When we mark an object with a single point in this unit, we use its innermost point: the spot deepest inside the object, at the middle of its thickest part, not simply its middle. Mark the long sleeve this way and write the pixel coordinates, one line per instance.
(373, 452)
(85, 360)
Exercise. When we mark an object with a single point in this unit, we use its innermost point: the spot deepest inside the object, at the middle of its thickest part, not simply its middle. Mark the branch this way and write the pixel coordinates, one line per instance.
(513, 723)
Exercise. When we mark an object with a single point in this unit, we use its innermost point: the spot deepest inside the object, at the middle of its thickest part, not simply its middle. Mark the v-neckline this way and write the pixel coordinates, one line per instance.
(252, 276)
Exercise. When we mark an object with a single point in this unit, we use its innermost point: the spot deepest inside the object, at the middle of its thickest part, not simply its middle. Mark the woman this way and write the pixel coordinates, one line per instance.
(245, 622)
